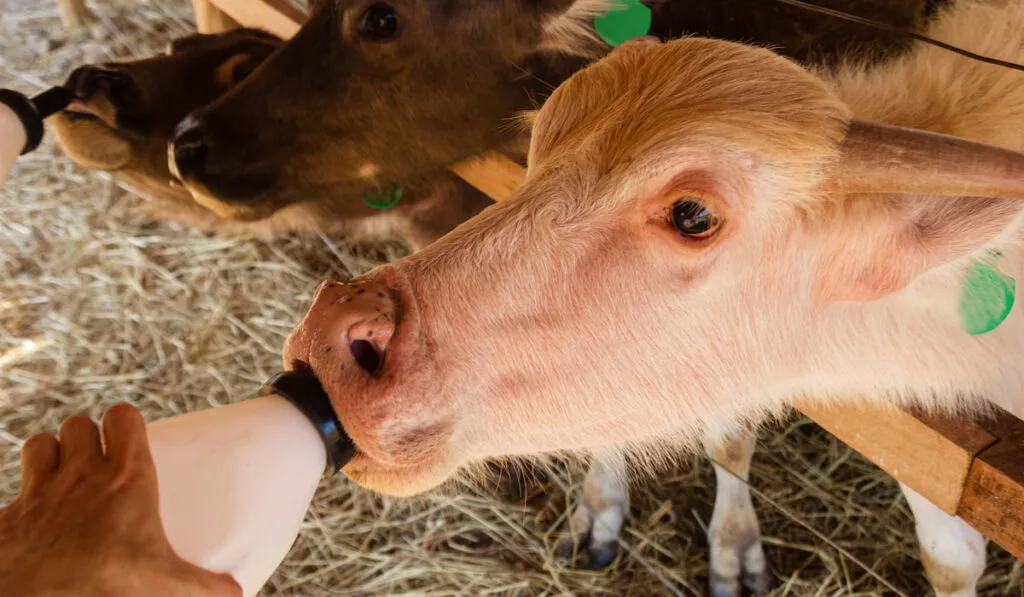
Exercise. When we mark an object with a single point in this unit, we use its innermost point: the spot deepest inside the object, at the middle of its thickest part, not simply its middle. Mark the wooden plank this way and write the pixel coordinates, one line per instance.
(279, 17)
(993, 500)
(210, 19)
(932, 455)
(492, 174)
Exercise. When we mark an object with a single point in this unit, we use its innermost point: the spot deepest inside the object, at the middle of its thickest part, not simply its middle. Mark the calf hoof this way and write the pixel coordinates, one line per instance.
(599, 555)
(594, 529)
(758, 583)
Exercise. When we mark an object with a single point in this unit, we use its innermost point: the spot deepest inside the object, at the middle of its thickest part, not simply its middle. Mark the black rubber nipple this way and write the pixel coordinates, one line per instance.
(303, 390)
(33, 111)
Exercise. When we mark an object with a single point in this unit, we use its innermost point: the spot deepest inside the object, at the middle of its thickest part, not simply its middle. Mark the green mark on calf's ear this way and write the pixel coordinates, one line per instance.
(627, 20)
(384, 199)
(987, 296)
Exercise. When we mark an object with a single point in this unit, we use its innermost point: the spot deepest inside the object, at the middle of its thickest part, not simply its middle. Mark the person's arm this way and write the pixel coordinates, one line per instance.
(86, 522)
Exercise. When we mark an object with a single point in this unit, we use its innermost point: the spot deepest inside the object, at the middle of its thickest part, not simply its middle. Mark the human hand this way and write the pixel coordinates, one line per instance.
(87, 520)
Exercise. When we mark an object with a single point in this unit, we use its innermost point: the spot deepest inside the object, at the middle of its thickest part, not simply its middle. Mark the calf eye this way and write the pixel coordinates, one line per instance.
(379, 21)
(693, 219)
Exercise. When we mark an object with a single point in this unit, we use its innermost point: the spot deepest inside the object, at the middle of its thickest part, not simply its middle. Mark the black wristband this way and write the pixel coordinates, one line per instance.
(304, 391)
(29, 116)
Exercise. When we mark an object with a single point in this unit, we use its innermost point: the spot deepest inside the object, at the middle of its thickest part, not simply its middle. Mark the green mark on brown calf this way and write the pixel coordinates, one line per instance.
(627, 20)
(383, 199)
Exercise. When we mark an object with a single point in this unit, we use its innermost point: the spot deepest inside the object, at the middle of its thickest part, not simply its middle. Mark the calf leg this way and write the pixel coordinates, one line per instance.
(737, 557)
(597, 519)
(953, 554)
(74, 13)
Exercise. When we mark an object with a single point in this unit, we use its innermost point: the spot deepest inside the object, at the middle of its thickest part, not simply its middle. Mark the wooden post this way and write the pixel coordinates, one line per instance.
(932, 455)
(492, 174)
(276, 16)
(210, 18)
(74, 13)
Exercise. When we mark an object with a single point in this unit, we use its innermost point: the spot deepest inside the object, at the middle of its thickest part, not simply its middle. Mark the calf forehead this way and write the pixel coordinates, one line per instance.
(646, 96)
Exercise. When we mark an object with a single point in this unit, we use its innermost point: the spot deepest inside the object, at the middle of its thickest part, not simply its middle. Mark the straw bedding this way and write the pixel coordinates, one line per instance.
(99, 304)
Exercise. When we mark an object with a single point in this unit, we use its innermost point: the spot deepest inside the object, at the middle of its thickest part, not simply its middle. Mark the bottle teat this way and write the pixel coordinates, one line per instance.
(33, 111)
(304, 391)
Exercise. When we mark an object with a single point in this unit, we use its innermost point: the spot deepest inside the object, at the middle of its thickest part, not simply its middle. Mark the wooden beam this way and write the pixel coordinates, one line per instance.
(210, 19)
(492, 174)
(279, 17)
(930, 454)
(993, 500)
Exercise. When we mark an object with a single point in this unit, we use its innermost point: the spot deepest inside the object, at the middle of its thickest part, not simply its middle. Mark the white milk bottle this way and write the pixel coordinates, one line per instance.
(236, 481)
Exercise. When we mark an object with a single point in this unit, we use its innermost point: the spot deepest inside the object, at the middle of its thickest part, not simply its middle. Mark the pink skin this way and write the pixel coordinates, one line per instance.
(507, 352)
(574, 315)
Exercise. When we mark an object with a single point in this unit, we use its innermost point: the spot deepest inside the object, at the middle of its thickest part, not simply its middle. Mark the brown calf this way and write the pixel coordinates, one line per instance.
(126, 112)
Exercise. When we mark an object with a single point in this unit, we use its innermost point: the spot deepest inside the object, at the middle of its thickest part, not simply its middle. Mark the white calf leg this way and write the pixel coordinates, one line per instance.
(598, 517)
(737, 557)
(953, 554)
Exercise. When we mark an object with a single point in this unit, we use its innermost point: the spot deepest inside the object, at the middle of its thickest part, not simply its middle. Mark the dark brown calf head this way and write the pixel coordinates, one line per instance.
(125, 112)
(369, 94)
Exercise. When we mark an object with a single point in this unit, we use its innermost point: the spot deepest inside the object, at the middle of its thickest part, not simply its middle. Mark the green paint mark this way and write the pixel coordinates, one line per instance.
(987, 296)
(628, 20)
(383, 199)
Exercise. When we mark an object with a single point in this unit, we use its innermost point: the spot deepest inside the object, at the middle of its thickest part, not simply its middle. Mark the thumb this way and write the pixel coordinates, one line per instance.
(205, 583)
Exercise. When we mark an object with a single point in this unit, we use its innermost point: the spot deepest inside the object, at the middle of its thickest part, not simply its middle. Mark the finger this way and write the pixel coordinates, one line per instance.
(79, 442)
(39, 458)
(124, 433)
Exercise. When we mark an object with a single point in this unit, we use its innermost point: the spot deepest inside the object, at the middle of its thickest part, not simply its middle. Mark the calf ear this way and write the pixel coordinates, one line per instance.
(567, 26)
(190, 42)
(207, 41)
(915, 201)
(880, 245)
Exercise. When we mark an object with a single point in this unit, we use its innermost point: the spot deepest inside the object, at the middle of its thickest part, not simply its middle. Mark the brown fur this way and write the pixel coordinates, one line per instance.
(128, 130)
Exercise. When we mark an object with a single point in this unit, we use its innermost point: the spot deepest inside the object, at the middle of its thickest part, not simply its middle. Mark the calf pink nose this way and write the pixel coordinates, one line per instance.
(368, 311)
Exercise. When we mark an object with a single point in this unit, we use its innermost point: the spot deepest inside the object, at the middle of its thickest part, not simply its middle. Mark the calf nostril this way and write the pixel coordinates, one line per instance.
(107, 80)
(365, 355)
(189, 150)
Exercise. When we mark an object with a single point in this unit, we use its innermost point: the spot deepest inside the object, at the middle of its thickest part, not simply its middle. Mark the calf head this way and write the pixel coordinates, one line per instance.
(124, 112)
(704, 232)
(370, 94)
